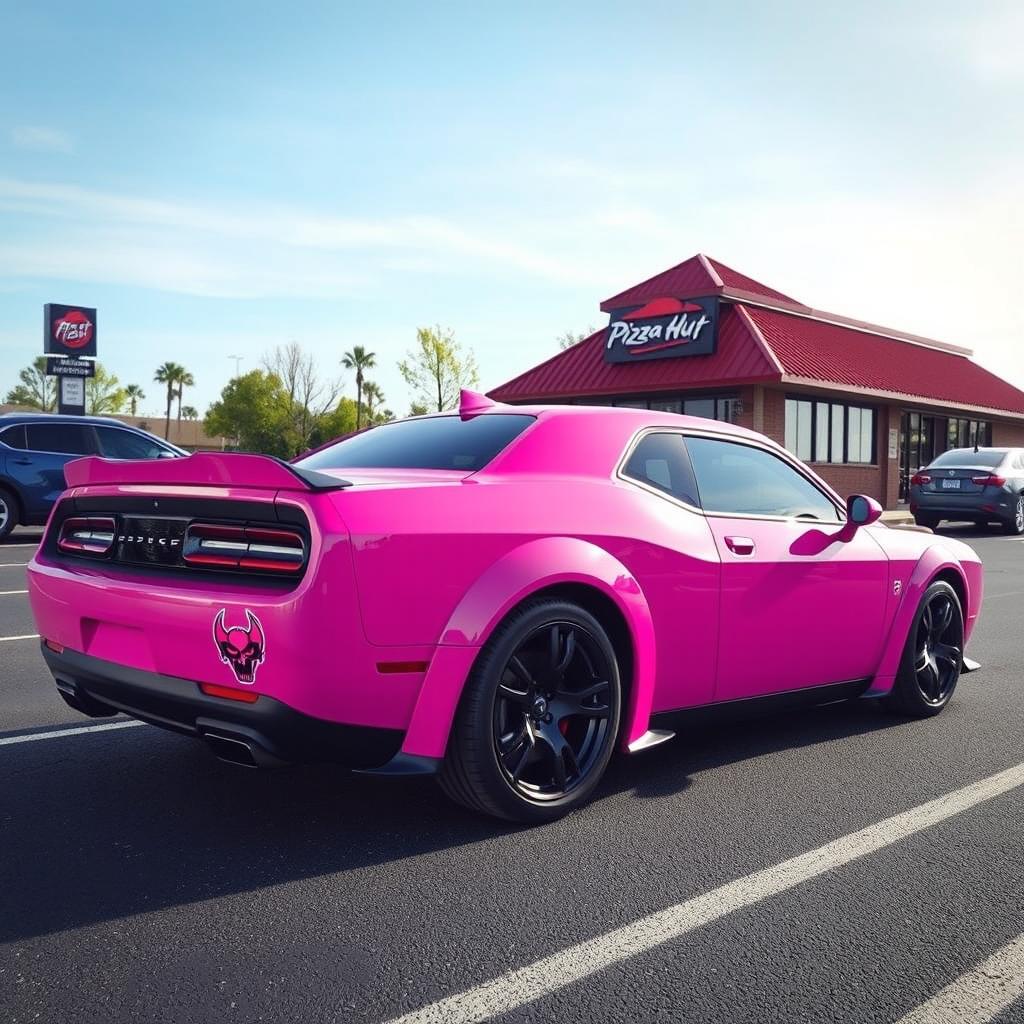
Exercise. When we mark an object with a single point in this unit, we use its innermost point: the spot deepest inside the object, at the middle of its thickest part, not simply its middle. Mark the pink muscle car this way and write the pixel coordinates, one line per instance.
(501, 596)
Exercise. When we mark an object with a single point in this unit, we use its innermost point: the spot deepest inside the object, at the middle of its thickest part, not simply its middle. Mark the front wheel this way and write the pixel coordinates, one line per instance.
(539, 716)
(1015, 524)
(933, 655)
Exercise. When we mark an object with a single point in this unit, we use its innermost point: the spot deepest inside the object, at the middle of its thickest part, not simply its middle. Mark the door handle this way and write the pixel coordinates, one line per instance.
(22, 462)
(740, 545)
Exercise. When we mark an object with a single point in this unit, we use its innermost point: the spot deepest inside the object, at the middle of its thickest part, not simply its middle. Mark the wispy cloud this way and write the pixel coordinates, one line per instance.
(987, 41)
(40, 139)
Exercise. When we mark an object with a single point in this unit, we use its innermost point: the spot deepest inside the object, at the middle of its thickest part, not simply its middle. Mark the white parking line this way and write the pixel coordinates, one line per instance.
(59, 733)
(526, 984)
(7, 593)
(980, 995)
(13, 565)
(5, 547)
(24, 636)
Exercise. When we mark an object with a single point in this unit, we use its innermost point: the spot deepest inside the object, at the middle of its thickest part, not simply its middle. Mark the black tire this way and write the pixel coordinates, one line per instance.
(547, 678)
(1015, 524)
(10, 512)
(923, 519)
(933, 656)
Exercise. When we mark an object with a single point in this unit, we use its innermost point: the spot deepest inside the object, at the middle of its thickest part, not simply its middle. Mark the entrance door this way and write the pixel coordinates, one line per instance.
(919, 444)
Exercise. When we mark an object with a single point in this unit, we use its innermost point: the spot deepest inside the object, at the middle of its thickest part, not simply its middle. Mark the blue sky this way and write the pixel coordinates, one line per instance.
(221, 178)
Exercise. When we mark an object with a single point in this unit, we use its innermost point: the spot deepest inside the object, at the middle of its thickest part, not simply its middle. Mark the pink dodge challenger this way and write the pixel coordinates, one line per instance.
(501, 596)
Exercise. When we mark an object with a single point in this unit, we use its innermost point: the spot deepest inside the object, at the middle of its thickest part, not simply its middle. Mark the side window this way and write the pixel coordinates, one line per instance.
(62, 438)
(123, 444)
(14, 437)
(660, 460)
(738, 478)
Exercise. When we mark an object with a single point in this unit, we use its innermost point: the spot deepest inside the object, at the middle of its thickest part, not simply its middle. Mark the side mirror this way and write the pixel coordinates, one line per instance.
(167, 455)
(862, 510)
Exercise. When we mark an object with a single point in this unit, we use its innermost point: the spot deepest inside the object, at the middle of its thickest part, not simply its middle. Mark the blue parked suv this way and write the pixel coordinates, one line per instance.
(35, 446)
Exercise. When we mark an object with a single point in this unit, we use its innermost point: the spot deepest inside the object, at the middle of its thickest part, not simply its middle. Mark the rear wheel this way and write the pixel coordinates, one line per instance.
(539, 716)
(9, 512)
(933, 655)
(923, 519)
(1015, 524)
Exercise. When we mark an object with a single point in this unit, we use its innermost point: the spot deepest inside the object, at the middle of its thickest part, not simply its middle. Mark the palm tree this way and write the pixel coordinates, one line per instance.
(134, 394)
(190, 412)
(185, 380)
(374, 398)
(359, 359)
(169, 374)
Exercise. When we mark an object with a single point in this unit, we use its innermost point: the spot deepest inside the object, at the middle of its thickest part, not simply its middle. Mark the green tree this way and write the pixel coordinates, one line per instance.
(418, 409)
(36, 390)
(252, 411)
(567, 339)
(168, 375)
(134, 394)
(103, 393)
(339, 422)
(437, 369)
(374, 400)
(359, 360)
(190, 413)
(307, 396)
(185, 380)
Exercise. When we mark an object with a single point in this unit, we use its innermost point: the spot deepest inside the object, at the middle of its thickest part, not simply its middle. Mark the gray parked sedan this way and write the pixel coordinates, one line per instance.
(980, 484)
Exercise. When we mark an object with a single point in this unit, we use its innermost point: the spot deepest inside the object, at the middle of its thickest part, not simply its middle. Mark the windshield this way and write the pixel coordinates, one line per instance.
(436, 442)
(987, 458)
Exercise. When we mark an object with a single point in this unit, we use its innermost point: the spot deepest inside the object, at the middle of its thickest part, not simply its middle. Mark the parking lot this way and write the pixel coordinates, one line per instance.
(144, 880)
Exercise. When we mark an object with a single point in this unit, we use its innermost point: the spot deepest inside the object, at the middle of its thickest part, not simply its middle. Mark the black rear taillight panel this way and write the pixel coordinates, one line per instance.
(166, 542)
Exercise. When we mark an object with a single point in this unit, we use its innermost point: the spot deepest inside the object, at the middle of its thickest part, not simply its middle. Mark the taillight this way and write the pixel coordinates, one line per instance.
(87, 535)
(990, 480)
(920, 478)
(253, 548)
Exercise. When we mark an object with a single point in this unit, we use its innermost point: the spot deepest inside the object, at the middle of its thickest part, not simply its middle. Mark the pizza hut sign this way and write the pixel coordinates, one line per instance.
(663, 329)
(69, 330)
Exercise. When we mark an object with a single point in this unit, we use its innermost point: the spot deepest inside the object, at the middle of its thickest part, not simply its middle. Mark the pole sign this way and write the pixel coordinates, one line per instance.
(69, 330)
(56, 366)
(663, 329)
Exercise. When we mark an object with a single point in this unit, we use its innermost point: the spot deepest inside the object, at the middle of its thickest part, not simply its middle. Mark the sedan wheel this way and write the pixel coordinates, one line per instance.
(539, 717)
(933, 656)
(8, 518)
(1015, 524)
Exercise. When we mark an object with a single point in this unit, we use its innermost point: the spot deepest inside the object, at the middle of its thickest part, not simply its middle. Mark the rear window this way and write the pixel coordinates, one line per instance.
(969, 457)
(441, 442)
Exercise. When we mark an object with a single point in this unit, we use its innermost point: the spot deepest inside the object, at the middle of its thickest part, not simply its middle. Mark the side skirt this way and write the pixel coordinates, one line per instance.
(752, 707)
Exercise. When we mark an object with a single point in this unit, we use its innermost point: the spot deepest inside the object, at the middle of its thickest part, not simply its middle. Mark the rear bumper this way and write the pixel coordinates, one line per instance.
(966, 506)
(267, 732)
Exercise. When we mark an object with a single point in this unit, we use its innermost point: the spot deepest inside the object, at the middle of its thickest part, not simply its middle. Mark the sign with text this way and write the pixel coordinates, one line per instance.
(71, 396)
(69, 330)
(58, 366)
(663, 329)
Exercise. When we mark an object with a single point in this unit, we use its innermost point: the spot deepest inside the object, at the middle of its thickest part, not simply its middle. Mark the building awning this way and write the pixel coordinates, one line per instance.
(764, 336)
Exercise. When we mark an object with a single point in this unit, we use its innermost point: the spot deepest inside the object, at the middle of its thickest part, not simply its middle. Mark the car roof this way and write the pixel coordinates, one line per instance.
(56, 417)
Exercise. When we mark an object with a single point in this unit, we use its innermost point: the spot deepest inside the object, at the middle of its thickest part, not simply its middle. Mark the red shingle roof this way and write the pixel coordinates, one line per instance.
(786, 343)
(699, 275)
(837, 354)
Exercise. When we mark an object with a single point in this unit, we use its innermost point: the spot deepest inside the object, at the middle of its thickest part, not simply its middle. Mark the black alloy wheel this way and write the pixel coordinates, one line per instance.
(933, 656)
(539, 717)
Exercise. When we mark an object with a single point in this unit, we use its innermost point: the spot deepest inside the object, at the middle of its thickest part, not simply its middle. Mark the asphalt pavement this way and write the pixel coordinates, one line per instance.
(145, 881)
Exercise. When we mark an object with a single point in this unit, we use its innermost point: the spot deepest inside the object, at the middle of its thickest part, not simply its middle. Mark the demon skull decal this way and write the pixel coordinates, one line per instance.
(241, 647)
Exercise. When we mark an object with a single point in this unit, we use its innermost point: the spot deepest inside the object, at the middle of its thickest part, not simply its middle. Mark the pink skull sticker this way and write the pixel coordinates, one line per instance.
(241, 647)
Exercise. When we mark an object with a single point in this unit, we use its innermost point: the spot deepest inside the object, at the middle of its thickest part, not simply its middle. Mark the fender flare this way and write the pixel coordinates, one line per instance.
(528, 569)
(935, 560)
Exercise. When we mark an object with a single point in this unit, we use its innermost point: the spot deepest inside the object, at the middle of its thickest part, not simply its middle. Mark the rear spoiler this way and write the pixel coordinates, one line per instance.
(202, 469)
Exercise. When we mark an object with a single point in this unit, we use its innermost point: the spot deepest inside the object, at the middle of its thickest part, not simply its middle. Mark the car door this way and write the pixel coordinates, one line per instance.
(38, 471)
(802, 594)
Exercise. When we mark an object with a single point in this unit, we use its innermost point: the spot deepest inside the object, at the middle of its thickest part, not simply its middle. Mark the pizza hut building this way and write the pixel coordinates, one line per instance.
(866, 405)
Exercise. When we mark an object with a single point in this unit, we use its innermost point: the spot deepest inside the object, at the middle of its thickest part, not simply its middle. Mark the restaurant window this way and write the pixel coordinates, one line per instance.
(830, 431)
(966, 433)
(712, 408)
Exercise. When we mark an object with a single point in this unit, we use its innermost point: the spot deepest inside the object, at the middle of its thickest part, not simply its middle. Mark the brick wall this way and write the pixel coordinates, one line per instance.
(1007, 435)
